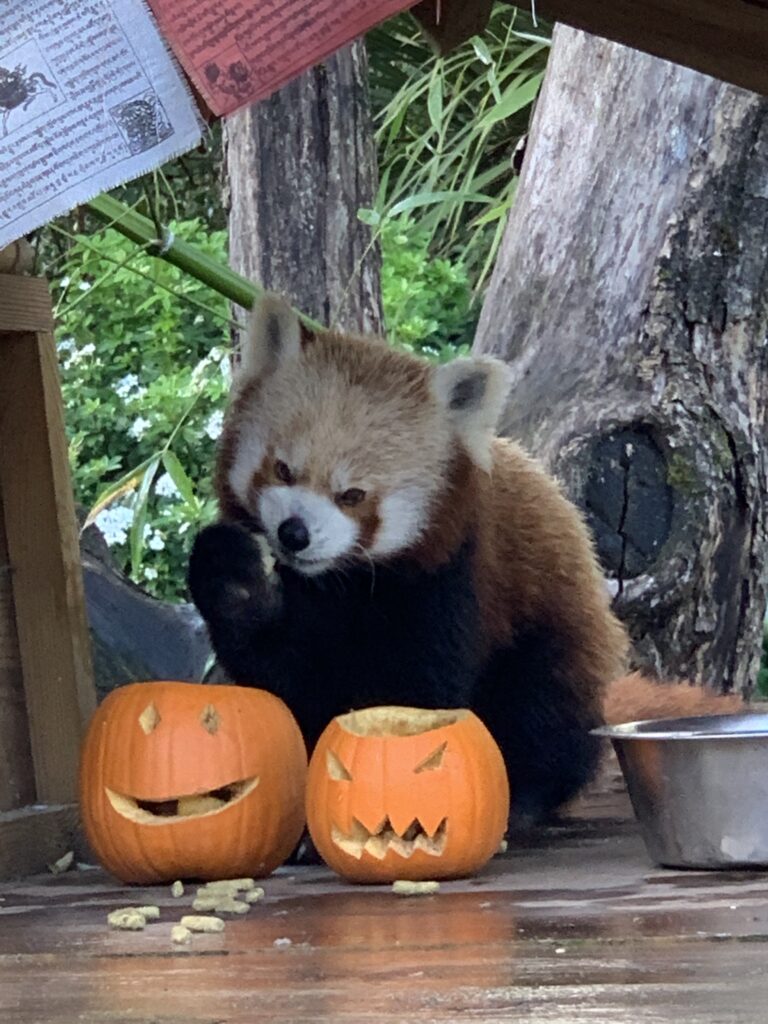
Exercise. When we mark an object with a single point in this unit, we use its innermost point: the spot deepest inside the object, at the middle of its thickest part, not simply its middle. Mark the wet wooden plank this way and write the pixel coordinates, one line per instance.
(577, 927)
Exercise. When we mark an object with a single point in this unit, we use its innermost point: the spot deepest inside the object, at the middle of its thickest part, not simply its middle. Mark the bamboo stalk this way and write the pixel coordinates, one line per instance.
(187, 257)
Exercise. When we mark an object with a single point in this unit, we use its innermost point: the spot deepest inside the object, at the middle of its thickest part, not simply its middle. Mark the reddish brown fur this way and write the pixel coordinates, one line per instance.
(534, 562)
(526, 531)
(634, 697)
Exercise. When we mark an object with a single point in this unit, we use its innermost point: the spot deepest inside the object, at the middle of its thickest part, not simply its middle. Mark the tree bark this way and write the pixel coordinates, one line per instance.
(299, 166)
(631, 299)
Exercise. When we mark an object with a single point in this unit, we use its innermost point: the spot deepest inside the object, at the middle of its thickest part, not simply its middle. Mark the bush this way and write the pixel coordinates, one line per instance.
(144, 362)
(427, 301)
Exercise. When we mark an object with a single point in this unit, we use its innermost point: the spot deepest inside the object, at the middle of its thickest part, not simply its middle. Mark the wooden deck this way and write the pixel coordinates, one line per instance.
(577, 927)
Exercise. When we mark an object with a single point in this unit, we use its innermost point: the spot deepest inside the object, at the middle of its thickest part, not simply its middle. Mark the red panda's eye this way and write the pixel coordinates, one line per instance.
(283, 473)
(351, 497)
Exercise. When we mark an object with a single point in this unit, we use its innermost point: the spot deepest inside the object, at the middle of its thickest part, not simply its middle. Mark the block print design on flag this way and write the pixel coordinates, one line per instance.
(242, 51)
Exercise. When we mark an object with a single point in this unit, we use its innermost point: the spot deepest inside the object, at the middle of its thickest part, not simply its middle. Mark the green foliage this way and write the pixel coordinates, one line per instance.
(427, 302)
(144, 362)
(447, 130)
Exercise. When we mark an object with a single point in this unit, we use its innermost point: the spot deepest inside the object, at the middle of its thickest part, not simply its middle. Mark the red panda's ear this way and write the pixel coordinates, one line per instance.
(473, 393)
(273, 338)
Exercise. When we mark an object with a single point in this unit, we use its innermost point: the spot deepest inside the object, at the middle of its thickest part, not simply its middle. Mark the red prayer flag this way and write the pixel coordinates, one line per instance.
(238, 51)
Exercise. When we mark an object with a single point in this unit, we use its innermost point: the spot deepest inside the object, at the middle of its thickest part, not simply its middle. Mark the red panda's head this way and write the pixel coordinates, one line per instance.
(338, 448)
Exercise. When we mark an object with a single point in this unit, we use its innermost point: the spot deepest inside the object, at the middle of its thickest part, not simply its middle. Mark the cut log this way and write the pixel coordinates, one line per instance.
(630, 298)
(298, 166)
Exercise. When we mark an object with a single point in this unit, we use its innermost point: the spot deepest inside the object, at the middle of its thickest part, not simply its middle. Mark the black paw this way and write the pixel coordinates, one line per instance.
(226, 576)
(305, 853)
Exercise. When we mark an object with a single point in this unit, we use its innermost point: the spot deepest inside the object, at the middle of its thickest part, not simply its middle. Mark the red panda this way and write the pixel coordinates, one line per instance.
(420, 559)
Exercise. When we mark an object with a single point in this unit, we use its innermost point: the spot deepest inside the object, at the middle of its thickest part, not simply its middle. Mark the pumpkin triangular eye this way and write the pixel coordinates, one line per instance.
(336, 769)
(434, 760)
(149, 719)
(210, 720)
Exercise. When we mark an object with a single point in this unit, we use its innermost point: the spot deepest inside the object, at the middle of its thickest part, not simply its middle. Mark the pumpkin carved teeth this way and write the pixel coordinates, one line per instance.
(197, 805)
(385, 838)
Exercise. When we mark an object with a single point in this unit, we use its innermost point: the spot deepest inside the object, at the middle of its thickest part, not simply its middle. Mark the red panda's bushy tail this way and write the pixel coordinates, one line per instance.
(634, 697)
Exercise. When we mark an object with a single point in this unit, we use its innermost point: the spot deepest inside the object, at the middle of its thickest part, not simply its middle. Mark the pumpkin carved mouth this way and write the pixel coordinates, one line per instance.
(385, 838)
(182, 808)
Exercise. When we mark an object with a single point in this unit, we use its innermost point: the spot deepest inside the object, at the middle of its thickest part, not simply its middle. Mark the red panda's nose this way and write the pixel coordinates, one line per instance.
(293, 534)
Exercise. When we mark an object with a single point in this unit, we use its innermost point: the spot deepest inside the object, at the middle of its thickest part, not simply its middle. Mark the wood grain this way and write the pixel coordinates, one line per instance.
(727, 39)
(33, 837)
(44, 556)
(449, 23)
(630, 300)
(308, 149)
(25, 305)
(17, 784)
(577, 928)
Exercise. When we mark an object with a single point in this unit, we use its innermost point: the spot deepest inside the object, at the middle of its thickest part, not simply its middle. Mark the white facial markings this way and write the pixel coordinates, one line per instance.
(342, 480)
(248, 458)
(403, 515)
(332, 534)
(295, 455)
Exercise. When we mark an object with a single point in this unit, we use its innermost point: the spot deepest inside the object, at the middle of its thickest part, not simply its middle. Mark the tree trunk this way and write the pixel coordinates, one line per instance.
(299, 165)
(631, 299)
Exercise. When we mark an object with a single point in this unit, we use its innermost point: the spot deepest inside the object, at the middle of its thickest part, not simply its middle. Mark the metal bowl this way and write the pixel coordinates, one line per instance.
(699, 788)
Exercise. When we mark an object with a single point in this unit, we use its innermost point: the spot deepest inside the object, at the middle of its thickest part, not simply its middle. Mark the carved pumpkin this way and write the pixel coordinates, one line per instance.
(406, 793)
(179, 780)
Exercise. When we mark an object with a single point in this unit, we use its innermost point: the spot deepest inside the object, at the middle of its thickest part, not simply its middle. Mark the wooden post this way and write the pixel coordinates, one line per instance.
(43, 629)
(17, 782)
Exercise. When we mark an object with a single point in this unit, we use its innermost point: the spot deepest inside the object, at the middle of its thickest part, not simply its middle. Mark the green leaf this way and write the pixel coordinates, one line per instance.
(432, 198)
(177, 473)
(140, 508)
(482, 51)
(435, 99)
(514, 98)
(370, 217)
(124, 485)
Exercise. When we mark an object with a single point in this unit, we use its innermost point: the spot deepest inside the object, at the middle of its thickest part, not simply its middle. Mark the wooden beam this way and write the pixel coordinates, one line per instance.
(42, 544)
(33, 838)
(17, 781)
(727, 39)
(449, 23)
(25, 304)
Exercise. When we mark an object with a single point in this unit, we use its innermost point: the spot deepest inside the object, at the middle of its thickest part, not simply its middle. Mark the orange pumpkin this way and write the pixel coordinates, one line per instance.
(180, 780)
(406, 793)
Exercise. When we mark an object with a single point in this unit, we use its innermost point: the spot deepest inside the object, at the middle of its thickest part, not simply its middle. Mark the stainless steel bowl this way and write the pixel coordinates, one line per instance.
(699, 788)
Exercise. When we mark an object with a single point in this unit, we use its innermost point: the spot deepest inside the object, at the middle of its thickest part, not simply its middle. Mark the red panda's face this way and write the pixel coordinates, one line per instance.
(337, 448)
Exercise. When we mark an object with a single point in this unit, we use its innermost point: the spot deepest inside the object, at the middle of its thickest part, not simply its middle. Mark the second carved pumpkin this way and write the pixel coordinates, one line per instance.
(407, 793)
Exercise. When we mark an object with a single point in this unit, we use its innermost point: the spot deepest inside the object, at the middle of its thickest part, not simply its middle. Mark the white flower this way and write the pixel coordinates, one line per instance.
(156, 542)
(87, 350)
(165, 487)
(126, 385)
(150, 573)
(139, 426)
(214, 424)
(114, 523)
(84, 286)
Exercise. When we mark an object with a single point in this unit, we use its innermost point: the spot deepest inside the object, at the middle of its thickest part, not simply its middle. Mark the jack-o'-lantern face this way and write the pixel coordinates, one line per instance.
(406, 793)
(180, 780)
